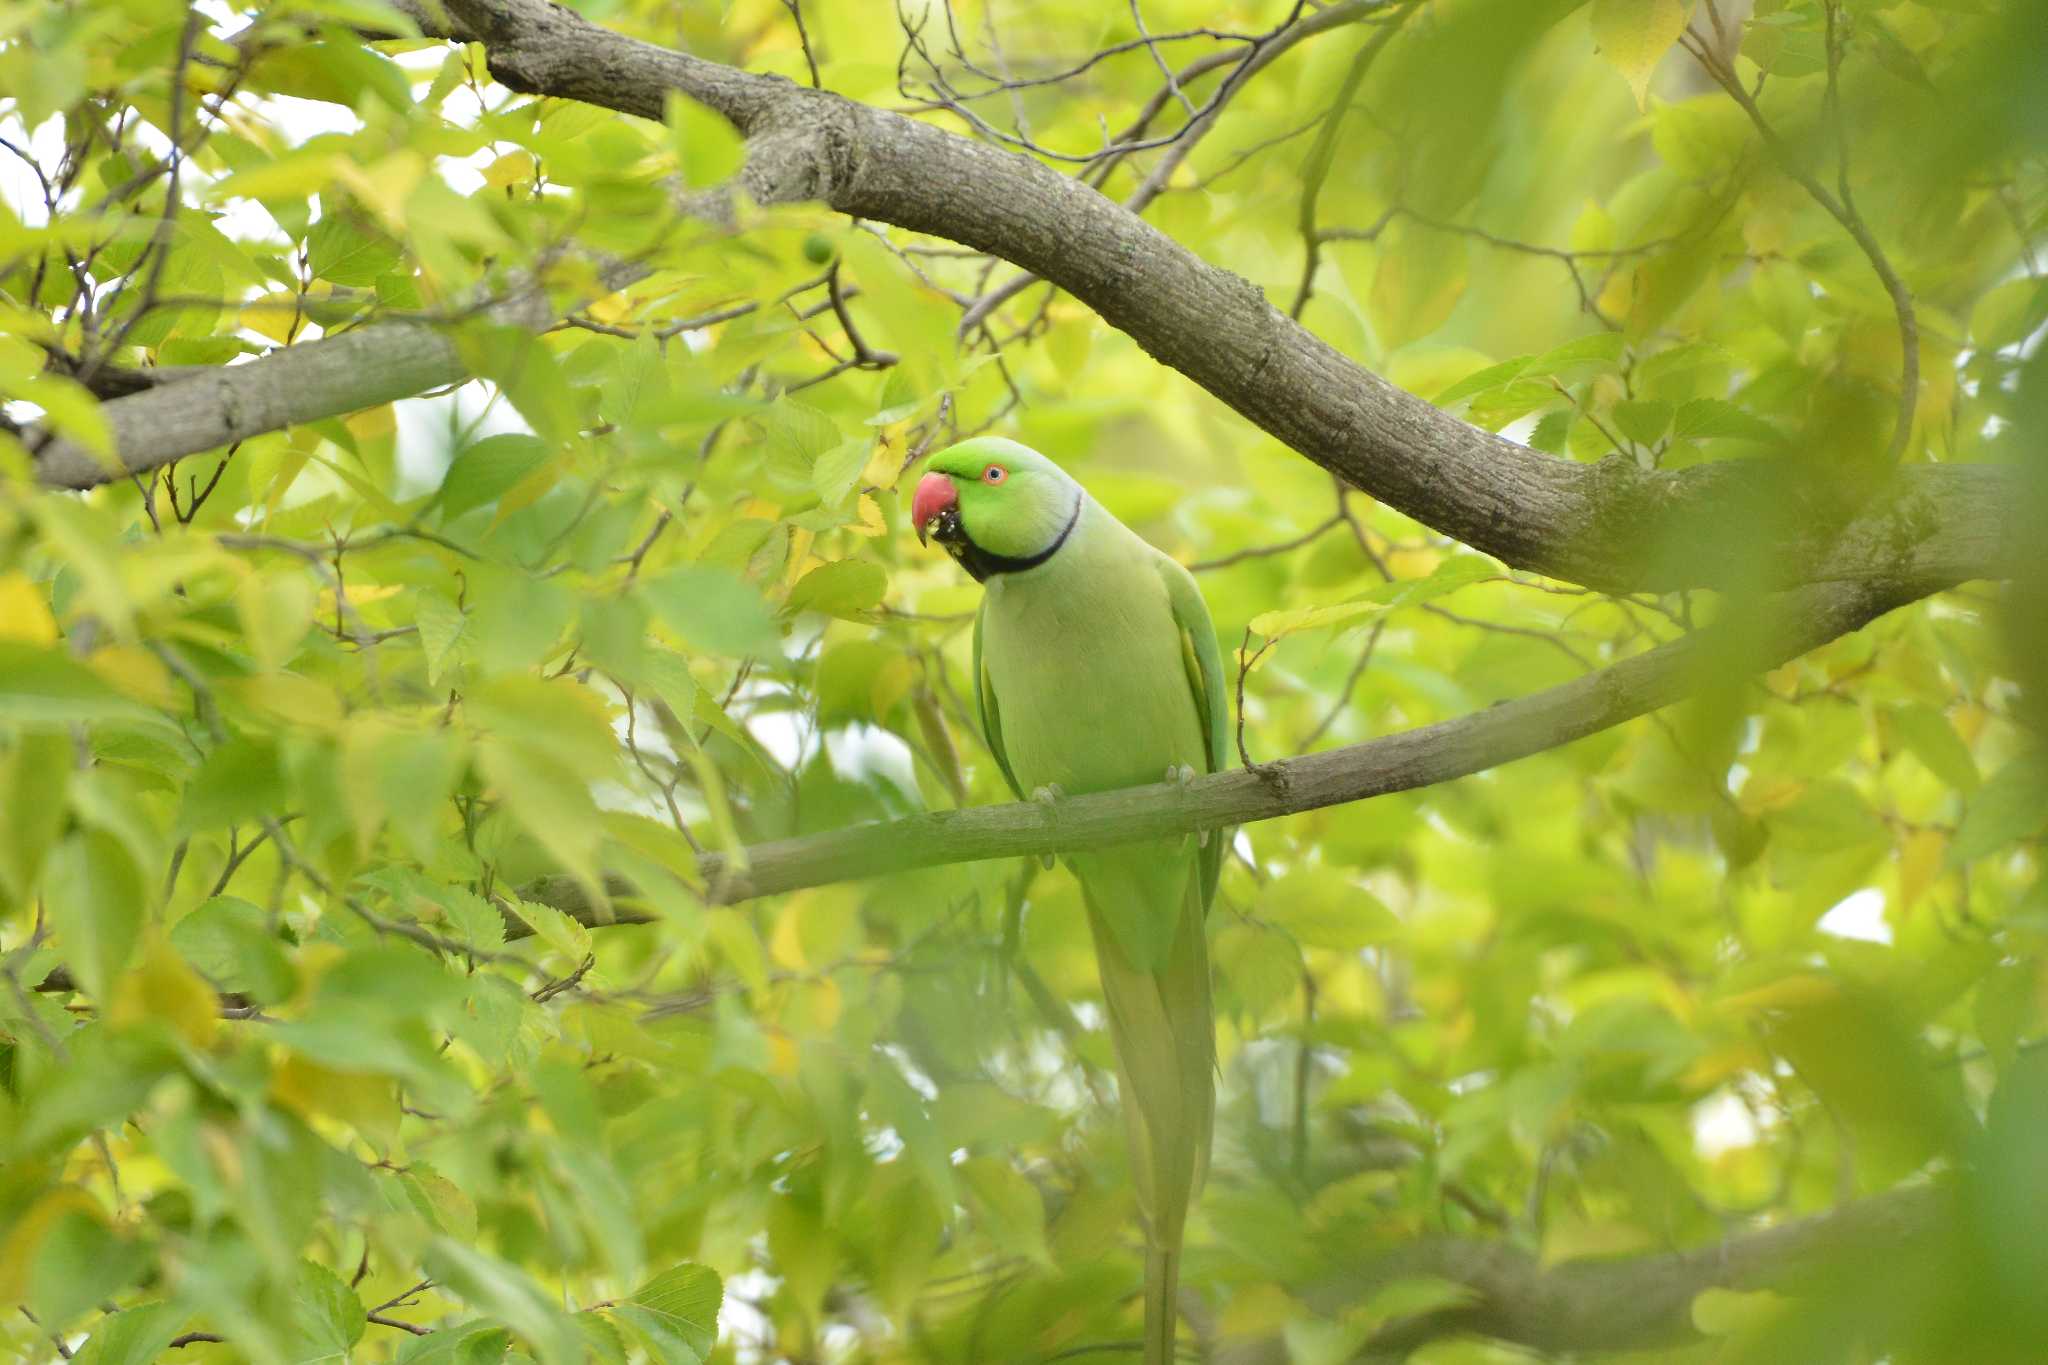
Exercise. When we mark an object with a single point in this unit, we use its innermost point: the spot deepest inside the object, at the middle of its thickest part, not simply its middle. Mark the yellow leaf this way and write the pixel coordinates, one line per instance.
(871, 522)
(288, 700)
(1417, 283)
(274, 315)
(384, 187)
(24, 615)
(786, 944)
(134, 672)
(373, 423)
(813, 1008)
(513, 168)
(1722, 1064)
(164, 988)
(26, 1235)
(1634, 35)
(1258, 1310)
(367, 1102)
(1416, 561)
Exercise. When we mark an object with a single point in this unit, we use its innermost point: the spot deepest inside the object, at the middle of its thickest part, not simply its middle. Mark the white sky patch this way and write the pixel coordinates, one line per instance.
(860, 751)
(781, 733)
(1859, 915)
(739, 1321)
(430, 429)
(1722, 1123)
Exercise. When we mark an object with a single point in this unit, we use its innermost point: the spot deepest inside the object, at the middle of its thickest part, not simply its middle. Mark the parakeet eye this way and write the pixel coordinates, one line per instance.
(995, 473)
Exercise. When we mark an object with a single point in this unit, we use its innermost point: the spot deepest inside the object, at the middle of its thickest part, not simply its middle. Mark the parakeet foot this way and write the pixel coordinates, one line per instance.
(1050, 797)
(1179, 775)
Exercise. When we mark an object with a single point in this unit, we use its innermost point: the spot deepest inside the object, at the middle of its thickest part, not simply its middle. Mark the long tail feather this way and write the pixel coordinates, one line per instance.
(1162, 1288)
(1164, 1030)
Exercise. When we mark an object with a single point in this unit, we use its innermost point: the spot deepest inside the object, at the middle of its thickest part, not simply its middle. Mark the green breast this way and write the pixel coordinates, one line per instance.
(1085, 661)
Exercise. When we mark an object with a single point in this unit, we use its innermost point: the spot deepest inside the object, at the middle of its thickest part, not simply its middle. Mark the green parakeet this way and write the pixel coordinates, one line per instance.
(1096, 667)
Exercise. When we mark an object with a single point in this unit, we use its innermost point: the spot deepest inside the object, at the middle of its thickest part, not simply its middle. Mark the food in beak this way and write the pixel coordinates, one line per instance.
(935, 497)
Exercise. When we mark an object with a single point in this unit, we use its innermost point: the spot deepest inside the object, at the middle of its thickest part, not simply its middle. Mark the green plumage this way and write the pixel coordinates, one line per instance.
(1096, 669)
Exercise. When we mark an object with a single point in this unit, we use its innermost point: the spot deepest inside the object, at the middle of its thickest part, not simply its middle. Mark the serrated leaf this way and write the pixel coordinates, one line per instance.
(1492, 377)
(346, 253)
(1704, 419)
(559, 931)
(675, 1314)
(1643, 422)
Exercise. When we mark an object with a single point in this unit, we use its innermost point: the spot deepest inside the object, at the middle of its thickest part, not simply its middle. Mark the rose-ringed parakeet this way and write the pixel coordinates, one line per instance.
(1096, 667)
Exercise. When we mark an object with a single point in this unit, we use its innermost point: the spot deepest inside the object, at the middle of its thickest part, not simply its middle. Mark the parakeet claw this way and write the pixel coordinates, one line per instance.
(1179, 775)
(1050, 797)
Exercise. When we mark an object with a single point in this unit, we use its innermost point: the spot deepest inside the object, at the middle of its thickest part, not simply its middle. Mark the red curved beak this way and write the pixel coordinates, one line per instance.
(935, 493)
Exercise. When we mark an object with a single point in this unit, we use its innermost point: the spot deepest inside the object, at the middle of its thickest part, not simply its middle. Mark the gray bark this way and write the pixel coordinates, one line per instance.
(345, 373)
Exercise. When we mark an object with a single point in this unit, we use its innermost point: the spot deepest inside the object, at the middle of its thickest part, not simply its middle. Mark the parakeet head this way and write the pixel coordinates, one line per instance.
(997, 507)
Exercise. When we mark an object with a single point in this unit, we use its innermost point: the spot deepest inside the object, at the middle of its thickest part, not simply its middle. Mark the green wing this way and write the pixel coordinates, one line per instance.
(986, 711)
(1204, 663)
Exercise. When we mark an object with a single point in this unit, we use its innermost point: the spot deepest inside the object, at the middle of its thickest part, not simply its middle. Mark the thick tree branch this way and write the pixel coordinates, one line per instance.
(1776, 630)
(339, 374)
(1610, 525)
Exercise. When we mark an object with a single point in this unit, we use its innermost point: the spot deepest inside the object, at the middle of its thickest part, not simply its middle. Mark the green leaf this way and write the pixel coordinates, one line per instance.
(507, 1294)
(441, 624)
(344, 252)
(483, 472)
(1929, 737)
(472, 1343)
(1418, 282)
(707, 147)
(1704, 419)
(845, 587)
(327, 1317)
(675, 1314)
(2007, 314)
(229, 942)
(42, 689)
(34, 774)
(2012, 804)
(97, 900)
(1643, 422)
(1007, 1206)
(241, 780)
(1492, 377)
(715, 611)
(133, 1336)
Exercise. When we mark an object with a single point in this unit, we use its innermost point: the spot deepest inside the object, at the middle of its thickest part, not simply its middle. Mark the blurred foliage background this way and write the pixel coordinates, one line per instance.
(297, 1065)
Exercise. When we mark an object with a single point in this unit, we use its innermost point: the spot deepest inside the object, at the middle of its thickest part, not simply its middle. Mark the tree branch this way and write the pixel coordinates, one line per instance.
(1636, 1303)
(338, 374)
(1609, 525)
(1751, 640)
